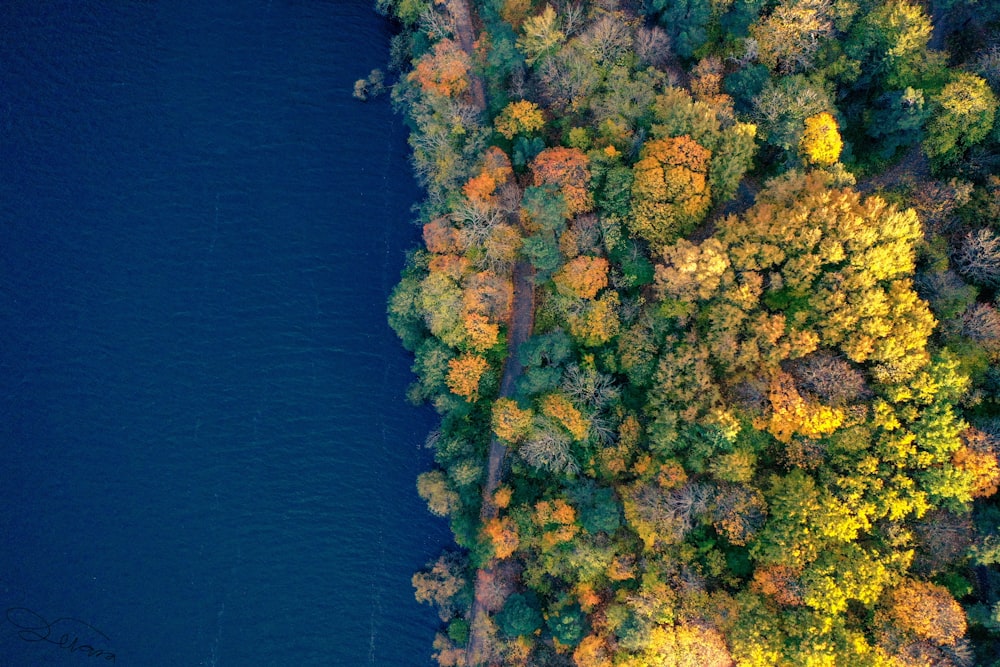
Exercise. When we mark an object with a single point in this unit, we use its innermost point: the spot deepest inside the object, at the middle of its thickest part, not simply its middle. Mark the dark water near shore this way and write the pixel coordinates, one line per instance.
(206, 456)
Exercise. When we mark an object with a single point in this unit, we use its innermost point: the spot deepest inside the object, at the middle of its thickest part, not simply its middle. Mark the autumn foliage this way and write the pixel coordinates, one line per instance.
(569, 170)
(928, 611)
(464, 374)
(559, 408)
(671, 193)
(444, 71)
(754, 421)
(583, 276)
(502, 533)
(521, 117)
(510, 422)
(821, 143)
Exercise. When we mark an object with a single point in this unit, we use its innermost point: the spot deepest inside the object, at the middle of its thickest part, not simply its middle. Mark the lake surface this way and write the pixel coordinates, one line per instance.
(206, 454)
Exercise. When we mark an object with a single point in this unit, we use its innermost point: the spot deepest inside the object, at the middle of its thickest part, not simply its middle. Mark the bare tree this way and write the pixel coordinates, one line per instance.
(476, 221)
(987, 65)
(588, 386)
(549, 448)
(437, 25)
(608, 39)
(981, 323)
(652, 46)
(573, 17)
(979, 257)
(833, 379)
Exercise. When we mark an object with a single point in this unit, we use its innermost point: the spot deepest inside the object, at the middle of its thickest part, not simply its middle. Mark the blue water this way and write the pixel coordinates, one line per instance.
(206, 454)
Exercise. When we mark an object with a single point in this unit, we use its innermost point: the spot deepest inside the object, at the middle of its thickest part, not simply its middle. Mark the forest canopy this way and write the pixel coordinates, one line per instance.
(707, 304)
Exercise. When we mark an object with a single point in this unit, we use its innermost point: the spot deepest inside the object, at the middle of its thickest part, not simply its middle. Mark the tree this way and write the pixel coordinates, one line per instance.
(687, 21)
(652, 46)
(791, 415)
(670, 194)
(779, 582)
(699, 646)
(782, 106)
(896, 120)
(502, 533)
(978, 458)
(520, 117)
(582, 277)
(978, 258)
(789, 37)
(443, 71)
(559, 408)
(540, 35)
(515, 11)
(963, 114)
(981, 323)
(464, 375)
(891, 43)
(557, 521)
(482, 333)
(568, 625)
(488, 294)
(693, 272)
(830, 378)
(440, 584)
(548, 447)
(407, 11)
(519, 617)
(441, 237)
(568, 169)
(740, 511)
(595, 322)
(732, 146)
(510, 422)
(928, 611)
(821, 143)
(434, 487)
(837, 270)
(592, 651)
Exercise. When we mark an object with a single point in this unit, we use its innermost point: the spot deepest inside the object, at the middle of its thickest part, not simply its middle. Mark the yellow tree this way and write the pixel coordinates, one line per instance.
(520, 117)
(503, 536)
(563, 411)
(464, 374)
(541, 35)
(510, 422)
(789, 37)
(821, 143)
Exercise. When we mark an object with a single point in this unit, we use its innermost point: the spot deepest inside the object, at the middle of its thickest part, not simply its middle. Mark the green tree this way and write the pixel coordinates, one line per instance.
(891, 44)
(962, 115)
(685, 20)
(896, 120)
(519, 617)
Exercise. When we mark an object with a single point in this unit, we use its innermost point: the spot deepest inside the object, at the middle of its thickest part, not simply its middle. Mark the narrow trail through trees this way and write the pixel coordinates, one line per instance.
(521, 323)
(519, 330)
(466, 34)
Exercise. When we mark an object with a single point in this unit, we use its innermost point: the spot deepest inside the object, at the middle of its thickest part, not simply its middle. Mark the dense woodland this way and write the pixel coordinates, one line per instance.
(757, 421)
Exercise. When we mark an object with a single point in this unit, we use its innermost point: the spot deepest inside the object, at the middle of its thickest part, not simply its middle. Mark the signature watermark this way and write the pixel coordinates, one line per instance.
(68, 634)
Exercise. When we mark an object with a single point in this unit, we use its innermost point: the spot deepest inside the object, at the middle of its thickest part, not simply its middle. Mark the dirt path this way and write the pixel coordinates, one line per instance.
(522, 321)
(466, 33)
